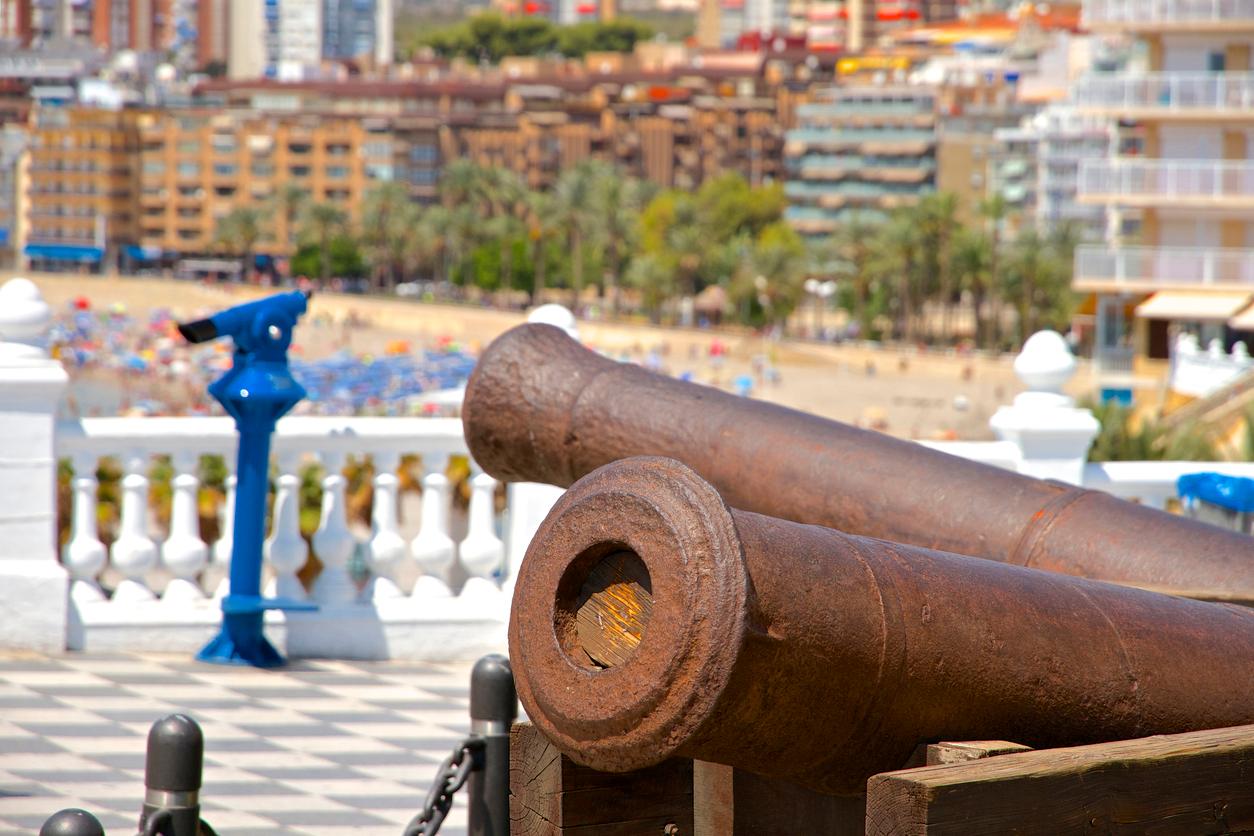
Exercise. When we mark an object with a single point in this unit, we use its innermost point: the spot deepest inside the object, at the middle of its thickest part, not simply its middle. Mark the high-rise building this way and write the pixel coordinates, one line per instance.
(274, 38)
(16, 24)
(141, 25)
(212, 32)
(1183, 158)
(357, 29)
(81, 188)
(860, 151)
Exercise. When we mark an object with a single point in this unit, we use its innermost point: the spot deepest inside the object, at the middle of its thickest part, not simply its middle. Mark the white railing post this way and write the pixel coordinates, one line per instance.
(333, 542)
(184, 553)
(482, 552)
(34, 586)
(84, 555)
(1052, 434)
(285, 549)
(226, 535)
(134, 554)
(433, 547)
(388, 548)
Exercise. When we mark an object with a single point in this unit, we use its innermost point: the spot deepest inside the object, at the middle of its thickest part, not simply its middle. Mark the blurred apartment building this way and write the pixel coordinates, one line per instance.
(78, 187)
(1183, 160)
(859, 152)
(141, 25)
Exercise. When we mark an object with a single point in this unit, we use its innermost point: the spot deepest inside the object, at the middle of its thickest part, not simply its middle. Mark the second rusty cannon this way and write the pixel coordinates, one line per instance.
(651, 620)
(541, 408)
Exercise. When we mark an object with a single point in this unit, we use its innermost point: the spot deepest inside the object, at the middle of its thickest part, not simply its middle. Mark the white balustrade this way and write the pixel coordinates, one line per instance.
(84, 555)
(184, 553)
(134, 554)
(1133, 13)
(387, 548)
(285, 549)
(482, 552)
(226, 538)
(433, 548)
(1212, 181)
(1147, 267)
(333, 542)
(1166, 93)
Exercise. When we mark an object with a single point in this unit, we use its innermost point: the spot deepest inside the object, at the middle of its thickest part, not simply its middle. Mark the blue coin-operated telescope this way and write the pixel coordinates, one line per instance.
(257, 391)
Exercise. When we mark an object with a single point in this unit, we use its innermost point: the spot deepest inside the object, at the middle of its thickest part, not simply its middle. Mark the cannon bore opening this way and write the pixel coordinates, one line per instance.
(606, 608)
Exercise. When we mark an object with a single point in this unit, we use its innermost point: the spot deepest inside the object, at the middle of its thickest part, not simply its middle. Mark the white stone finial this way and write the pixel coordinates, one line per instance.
(1046, 363)
(557, 316)
(24, 321)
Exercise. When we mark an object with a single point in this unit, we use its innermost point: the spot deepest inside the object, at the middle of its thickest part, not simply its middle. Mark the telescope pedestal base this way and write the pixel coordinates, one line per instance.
(241, 642)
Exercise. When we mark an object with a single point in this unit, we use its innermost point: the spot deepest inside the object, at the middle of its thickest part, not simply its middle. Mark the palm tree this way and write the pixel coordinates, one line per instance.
(1042, 276)
(619, 201)
(972, 268)
(938, 221)
(994, 211)
(575, 192)
(655, 279)
(502, 193)
(238, 232)
(287, 205)
(853, 245)
(543, 227)
(388, 221)
(898, 246)
(774, 272)
(321, 224)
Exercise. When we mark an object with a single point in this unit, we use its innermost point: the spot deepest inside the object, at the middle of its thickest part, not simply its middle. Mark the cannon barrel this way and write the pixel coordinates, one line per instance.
(650, 620)
(541, 408)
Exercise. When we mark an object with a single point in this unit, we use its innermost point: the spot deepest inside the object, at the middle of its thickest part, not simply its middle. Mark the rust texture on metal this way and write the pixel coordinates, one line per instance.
(822, 658)
(541, 408)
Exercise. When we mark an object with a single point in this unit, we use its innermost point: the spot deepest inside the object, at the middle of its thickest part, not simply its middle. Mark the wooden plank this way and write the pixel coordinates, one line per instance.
(1199, 782)
(940, 754)
(614, 606)
(730, 802)
(551, 794)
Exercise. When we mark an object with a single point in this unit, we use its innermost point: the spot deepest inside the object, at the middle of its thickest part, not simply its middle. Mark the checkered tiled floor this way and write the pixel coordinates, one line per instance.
(319, 747)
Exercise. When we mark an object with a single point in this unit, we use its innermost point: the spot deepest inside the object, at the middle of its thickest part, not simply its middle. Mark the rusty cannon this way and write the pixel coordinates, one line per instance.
(651, 620)
(541, 408)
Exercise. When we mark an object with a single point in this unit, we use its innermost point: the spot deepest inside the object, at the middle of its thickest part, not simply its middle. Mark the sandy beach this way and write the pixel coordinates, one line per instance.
(903, 392)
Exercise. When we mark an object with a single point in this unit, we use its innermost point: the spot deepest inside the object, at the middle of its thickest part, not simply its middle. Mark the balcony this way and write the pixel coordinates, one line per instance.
(1200, 16)
(1177, 96)
(1148, 269)
(1192, 184)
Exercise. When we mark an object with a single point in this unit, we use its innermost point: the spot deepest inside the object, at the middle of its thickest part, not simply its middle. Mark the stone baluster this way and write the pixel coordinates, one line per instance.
(388, 548)
(34, 586)
(286, 550)
(433, 547)
(1052, 433)
(84, 555)
(134, 554)
(482, 552)
(333, 542)
(184, 553)
(226, 539)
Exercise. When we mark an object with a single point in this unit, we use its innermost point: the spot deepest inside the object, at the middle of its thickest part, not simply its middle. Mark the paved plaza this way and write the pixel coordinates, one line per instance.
(318, 747)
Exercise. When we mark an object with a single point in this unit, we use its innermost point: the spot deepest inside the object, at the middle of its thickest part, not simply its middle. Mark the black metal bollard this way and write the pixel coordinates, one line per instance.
(176, 754)
(493, 708)
(72, 822)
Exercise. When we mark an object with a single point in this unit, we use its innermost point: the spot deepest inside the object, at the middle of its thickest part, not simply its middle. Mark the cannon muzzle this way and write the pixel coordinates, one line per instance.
(650, 620)
(541, 408)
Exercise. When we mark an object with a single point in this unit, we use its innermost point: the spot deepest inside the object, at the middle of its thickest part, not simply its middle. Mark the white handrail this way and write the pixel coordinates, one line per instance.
(1207, 179)
(1166, 91)
(1166, 11)
(1167, 266)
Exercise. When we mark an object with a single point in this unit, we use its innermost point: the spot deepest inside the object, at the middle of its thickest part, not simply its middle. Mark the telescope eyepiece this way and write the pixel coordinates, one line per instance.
(200, 331)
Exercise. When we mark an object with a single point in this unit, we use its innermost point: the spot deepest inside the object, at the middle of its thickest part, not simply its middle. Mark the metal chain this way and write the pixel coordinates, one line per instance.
(453, 774)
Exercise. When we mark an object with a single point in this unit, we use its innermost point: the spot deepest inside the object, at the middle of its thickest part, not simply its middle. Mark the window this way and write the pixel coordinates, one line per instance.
(422, 154)
(299, 147)
(337, 194)
(1216, 62)
(154, 167)
(262, 170)
(189, 191)
(336, 172)
(189, 169)
(224, 169)
(379, 172)
(189, 212)
(299, 171)
(337, 150)
(224, 191)
(189, 234)
(188, 146)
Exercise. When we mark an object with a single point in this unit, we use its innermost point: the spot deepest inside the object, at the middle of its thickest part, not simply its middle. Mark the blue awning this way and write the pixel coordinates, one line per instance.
(138, 253)
(4, 235)
(63, 252)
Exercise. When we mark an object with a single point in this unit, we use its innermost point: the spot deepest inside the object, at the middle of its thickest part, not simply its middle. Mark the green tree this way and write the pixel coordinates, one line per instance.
(773, 273)
(899, 243)
(390, 224)
(972, 264)
(1038, 275)
(655, 279)
(238, 232)
(994, 211)
(576, 194)
(321, 224)
(852, 247)
(342, 258)
(543, 229)
(288, 203)
(937, 217)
